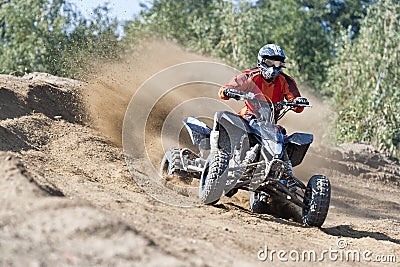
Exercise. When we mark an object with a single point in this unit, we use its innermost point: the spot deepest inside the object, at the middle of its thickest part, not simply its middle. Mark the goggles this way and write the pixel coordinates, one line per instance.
(274, 63)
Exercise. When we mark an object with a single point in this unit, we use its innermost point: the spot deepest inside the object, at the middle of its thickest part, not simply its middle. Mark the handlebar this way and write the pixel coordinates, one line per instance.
(280, 105)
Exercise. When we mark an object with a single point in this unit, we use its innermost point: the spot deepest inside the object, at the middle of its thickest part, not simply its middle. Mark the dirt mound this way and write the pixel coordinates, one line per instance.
(67, 197)
(41, 93)
(49, 231)
(360, 160)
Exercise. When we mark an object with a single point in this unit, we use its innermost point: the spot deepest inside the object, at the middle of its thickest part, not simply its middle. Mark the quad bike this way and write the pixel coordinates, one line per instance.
(252, 154)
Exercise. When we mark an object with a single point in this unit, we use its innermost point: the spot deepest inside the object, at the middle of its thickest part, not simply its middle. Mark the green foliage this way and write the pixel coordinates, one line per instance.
(338, 14)
(357, 67)
(306, 29)
(50, 36)
(364, 80)
(91, 42)
(235, 32)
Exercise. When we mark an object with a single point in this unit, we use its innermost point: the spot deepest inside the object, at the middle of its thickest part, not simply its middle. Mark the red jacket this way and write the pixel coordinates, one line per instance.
(282, 87)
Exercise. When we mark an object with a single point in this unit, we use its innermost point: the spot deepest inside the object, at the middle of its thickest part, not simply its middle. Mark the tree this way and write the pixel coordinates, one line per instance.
(364, 81)
(336, 15)
(51, 36)
(235, 32)
(302, 36)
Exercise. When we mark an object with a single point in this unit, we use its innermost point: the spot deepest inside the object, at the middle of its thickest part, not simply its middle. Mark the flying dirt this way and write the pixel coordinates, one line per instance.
(69, 198)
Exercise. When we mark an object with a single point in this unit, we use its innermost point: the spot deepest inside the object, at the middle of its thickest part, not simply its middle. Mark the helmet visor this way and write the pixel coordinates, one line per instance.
(274, 63)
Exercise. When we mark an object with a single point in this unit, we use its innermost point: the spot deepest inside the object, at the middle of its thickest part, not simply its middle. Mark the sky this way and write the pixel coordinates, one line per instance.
(122, 9)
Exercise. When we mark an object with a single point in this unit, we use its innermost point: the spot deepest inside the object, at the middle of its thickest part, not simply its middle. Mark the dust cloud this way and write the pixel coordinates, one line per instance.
(108, 94)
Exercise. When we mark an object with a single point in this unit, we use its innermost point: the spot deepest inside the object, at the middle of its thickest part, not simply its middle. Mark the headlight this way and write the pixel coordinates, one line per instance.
(275, 149)
(273, 139)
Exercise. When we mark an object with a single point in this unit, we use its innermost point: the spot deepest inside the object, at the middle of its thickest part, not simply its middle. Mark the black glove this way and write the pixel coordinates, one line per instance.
(231, 93)
(301, 101)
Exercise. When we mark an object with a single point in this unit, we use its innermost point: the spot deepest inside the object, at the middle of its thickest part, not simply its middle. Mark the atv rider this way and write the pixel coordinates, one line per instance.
(268, 78)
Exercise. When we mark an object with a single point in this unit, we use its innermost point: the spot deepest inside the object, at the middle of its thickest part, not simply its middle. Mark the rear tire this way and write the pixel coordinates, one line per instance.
(171, 167)
(316, 199)
(213, 178)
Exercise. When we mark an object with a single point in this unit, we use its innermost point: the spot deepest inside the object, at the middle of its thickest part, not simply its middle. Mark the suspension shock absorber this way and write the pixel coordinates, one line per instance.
(249, 158)
(291, 183)
(251, 154)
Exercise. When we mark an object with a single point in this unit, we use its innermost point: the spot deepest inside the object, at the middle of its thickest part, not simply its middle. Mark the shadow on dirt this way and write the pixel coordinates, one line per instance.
(348, 231)
(42, 98)
(12, 142)
(11, 105)
(340, 230)
(53, 101)
(52, 190)
(265, 217)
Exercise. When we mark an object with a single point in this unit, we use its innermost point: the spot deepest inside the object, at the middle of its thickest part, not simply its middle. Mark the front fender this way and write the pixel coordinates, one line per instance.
(231, 128)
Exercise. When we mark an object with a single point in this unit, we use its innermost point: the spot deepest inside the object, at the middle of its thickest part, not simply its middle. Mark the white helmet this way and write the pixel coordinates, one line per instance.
(270, 60)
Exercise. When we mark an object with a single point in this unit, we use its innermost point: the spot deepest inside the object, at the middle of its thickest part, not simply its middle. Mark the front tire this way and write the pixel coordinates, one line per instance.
(316, 199)
(213, 178)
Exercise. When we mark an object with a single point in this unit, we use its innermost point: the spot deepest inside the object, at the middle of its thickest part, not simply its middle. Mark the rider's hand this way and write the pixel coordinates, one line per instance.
(231, 93)
(301, 101)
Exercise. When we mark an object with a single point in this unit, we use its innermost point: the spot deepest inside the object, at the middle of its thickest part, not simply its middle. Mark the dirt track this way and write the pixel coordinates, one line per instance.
(67, 197)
